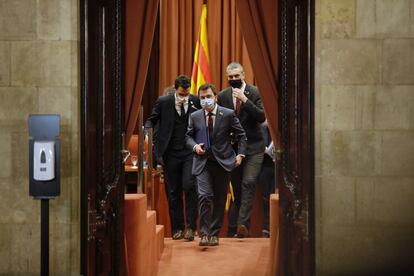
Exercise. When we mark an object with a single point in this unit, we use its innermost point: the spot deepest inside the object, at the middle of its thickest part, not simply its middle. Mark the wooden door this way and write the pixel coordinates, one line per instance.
(296, 121)
(102, 187)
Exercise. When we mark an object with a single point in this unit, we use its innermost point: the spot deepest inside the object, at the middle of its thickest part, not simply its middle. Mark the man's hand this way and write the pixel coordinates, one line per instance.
(238, 93)
(239, 159)
(199, 149)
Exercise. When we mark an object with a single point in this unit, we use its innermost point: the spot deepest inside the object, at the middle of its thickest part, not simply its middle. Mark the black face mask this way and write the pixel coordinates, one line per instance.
(236, 83)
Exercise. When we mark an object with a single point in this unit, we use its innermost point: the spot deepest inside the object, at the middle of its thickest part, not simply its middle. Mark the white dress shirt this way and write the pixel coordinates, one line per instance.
(178, 104)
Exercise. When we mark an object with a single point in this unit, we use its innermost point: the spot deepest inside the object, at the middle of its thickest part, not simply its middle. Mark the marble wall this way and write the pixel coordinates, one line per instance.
(364, 136)
(39, 52)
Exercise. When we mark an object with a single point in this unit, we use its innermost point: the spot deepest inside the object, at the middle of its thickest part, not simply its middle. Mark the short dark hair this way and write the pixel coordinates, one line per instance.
(207, 86)
(182, 81)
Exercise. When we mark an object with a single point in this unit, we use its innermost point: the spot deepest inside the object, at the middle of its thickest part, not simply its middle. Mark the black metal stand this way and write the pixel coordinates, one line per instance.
(44, 238)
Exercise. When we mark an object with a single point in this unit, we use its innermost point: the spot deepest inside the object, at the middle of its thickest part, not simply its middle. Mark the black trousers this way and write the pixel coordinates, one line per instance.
(244, 181)
(179, 179)
(212, 191)
(267, 187)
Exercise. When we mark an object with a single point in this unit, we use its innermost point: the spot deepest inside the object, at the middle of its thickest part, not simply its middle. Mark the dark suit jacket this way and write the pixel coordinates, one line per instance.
(251, 116)
(163, 114)
(225, 122)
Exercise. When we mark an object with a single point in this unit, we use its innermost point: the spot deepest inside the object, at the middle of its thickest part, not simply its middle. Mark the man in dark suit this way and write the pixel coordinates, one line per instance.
(208, 136)
(245, 100)
(171, 115)
(267, 177)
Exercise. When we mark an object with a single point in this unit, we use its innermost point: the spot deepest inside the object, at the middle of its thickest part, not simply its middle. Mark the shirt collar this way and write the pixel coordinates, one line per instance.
(214, 111)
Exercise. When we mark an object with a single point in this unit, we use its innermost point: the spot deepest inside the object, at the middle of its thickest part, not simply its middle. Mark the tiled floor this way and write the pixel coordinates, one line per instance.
(232, 257)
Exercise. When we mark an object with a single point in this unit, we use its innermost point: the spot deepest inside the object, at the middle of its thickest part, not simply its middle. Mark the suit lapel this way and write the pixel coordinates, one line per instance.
(219, 116)
(229, 98)
(191, 105)
(203, 119)
(204, 130)
(171, 103)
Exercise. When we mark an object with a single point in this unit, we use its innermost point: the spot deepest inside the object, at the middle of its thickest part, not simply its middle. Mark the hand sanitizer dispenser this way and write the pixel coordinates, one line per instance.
(44, 172)
(44, 155)
(44, 160)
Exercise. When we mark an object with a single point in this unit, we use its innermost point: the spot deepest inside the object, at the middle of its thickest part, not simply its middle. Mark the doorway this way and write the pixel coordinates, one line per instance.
(103, 124)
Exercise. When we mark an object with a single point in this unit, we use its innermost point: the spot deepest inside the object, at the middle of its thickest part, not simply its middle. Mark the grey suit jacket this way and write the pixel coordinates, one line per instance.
(225, 123)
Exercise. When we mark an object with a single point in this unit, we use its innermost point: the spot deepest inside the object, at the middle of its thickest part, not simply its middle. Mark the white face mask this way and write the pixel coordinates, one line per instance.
(182, 99)
(207, 103)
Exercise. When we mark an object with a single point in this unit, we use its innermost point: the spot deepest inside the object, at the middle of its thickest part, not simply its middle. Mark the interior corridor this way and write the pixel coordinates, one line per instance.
(232, 257)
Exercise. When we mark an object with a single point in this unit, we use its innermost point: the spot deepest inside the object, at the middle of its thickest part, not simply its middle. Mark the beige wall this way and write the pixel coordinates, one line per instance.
(364, 135)
(38, 61)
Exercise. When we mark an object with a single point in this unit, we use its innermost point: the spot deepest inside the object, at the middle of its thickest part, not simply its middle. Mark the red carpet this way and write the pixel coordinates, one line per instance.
(232, 257)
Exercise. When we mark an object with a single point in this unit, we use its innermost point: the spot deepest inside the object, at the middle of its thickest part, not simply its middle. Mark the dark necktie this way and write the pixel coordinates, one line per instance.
(238, 103)
(210, 125)
(182, 110)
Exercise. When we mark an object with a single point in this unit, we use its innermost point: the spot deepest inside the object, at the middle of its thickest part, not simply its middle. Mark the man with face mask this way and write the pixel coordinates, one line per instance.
(245, 100)
(170, 114)
(214, 158)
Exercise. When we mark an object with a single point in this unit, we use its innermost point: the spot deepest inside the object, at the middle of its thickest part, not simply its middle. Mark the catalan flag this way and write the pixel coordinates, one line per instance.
(230, 197)
(201, 67)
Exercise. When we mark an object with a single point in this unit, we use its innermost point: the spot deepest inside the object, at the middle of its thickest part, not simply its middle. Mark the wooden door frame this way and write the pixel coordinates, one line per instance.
(296, 169)
(101, 75)
(305, 221)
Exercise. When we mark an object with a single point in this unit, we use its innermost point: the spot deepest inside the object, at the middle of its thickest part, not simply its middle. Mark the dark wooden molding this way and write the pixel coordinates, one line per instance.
(102, 103)
(296, 170)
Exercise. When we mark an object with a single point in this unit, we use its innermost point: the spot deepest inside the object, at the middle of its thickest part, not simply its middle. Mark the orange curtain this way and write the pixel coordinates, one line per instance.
(179, 20)
(140, 23)
(260, 25)
(226, 33)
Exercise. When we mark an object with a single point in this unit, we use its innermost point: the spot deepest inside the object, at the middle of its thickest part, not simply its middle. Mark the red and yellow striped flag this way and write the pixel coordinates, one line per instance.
(201, 66)
(230, 197)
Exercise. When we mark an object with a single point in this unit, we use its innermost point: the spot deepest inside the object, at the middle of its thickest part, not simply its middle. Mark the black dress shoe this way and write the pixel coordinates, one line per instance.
(178, 235)
(214, 241)
(242, 231)
(189, 234)
(203, 241)
(265, 233)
